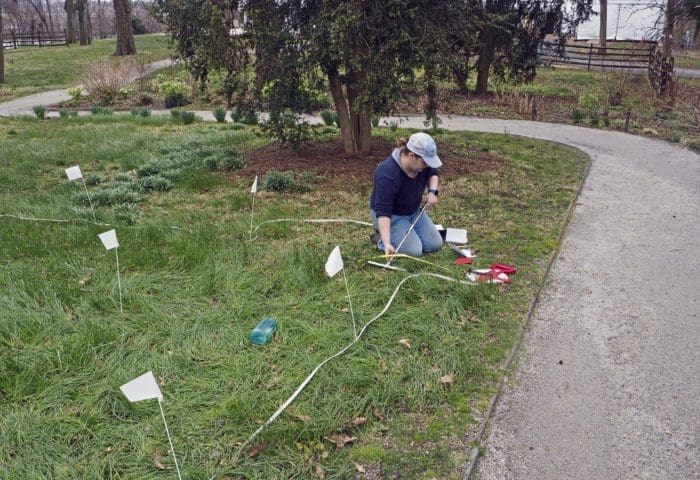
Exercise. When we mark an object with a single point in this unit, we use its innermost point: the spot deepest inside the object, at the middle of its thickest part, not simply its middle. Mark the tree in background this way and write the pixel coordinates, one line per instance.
(207, 37)
(84, 33)
(512, 31)
(69, 7)
(122, 25)
(367, 51)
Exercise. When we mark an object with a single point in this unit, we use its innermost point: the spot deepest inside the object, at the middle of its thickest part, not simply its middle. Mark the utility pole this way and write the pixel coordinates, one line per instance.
(669, 21)
(2, 50)
(603, 31)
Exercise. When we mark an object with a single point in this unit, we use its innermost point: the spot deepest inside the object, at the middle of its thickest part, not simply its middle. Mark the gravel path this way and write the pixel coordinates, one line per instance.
(608, 378)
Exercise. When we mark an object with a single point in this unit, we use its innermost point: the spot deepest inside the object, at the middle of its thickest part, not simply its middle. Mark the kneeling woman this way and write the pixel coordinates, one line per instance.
(399, 184)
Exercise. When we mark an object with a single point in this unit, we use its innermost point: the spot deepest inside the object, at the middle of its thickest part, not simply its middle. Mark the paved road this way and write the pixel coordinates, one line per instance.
(608, 379)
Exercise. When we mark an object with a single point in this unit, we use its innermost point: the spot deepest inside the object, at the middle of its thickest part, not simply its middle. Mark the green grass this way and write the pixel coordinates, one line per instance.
(30, 70)
(193, 293)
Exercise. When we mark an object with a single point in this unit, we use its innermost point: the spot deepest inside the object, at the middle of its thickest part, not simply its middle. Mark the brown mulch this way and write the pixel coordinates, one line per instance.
(328, 159)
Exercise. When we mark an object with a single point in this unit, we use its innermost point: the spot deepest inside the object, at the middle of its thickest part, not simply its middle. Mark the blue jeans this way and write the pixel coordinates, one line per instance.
(423, 238)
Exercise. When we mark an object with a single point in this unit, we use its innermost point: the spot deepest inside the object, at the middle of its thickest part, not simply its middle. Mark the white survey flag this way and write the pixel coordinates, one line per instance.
(254, 188)
(74, 173)
(334, 264)
(109, 239)
(144, 387)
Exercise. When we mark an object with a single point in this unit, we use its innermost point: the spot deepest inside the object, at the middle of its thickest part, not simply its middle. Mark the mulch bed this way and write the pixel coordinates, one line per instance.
(328, 159)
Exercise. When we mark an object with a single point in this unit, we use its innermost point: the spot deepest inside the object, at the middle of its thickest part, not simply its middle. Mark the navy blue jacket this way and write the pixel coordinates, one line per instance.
(394, 192)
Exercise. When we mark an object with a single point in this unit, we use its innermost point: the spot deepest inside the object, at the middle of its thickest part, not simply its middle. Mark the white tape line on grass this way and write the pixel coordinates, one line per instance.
(359, 335)
(55, 220)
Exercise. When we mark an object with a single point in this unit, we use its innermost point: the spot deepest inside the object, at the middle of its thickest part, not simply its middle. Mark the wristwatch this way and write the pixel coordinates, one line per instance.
(433, 191)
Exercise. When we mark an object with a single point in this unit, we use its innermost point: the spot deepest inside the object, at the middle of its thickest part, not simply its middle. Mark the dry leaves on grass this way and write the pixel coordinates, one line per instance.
(448, 379)
(359, 421)
(319, 472)
(404, 342)
(359, 467)
(253, 451)
(377, 414)
(157, 461)
(340, 439)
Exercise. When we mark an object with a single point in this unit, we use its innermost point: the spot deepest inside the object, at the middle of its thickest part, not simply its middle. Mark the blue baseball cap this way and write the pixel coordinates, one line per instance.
(423, 145)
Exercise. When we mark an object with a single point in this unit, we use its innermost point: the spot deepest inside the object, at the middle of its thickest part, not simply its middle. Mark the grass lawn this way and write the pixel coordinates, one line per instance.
(194, 287)
(30, 70)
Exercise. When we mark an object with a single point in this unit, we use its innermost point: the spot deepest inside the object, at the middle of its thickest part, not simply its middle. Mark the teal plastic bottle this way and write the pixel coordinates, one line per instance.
(263, 331)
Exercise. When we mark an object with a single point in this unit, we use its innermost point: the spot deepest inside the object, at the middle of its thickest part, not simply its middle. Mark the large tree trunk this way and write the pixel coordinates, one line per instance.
(48, 9)
(355, 127)
(487, 42)
(81, 7)
(2, 51)
(122, 24)
(461, 79)
(69, 7)
(603, 30)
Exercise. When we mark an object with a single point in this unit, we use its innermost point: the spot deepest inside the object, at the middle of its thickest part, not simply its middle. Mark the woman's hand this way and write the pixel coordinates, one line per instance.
(389, 249)
(431, 200)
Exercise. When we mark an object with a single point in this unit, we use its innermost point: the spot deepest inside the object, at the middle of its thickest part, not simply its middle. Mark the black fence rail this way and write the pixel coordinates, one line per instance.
(599, 58)
(643, 58)
(33, 39)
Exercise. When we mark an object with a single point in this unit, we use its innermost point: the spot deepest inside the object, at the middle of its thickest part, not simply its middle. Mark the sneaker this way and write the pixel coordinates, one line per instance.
(374, 238)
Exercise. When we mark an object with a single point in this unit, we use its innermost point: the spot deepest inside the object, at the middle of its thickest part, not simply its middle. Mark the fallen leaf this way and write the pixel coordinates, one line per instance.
(74, 440)
(448, 379)
(359, 467)
(378, 414)
(426, 350)
(85, 280)
(161, 380)
(256, 449)
(340, 439)
(156, 461)
(318, 471)
(108, 450)
(74, 410)
(405, 342)
(358, 421)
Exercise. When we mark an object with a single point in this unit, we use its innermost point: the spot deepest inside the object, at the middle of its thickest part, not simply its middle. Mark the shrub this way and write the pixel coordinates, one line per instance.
(220, 114)
(126, 213)
(694, 145)
(156, 183)
(175, 114)
(674, 137)
(232, 160)
(590, 104)
(286, 128)
(76, 95)
(250, 117)
(144, 98)
(187, 117)
(104, 79)
(595, 119)
(374, 120)
(114, 195)
(92, 179)
(578, 115)
(329, 117)
(284, 182)
(175, 93)
(393, 125)
(39, 111)
(329, 131)
(237, 126)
